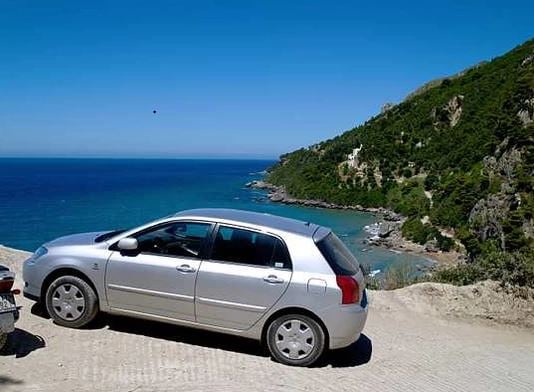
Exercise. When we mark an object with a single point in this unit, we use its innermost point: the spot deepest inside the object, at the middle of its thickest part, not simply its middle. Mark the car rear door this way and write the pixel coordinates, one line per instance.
(247, 273)
(159, 278)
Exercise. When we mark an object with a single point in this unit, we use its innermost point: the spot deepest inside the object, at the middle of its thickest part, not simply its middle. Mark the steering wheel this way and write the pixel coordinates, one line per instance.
(159, 244)
(190, 251)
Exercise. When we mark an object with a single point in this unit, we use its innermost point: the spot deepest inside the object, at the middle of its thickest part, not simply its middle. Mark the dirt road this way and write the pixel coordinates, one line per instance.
(403, 350)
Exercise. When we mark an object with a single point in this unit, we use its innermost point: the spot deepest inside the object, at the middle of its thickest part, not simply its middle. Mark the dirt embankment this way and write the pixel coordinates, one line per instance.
(488, 302)
(416, 339)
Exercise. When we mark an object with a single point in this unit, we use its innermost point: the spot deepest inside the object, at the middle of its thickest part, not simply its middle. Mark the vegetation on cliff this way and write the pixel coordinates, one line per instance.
(458, 155)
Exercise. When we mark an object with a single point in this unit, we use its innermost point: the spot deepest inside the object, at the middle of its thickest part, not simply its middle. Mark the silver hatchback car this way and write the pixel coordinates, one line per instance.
(290, 284)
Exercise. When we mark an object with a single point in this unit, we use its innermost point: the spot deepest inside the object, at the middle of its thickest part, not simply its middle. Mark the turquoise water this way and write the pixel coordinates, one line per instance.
(41, 199)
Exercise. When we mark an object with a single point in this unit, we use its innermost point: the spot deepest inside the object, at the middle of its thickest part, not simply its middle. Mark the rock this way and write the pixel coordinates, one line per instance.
(454, 107)
(432, 246)
(450, 113)
(258, 184)
(487, 216)
(490, 165)
(527, 60)
(276, 197)
(385, 230)
(390, 216)
(386, 107)
(526, 113)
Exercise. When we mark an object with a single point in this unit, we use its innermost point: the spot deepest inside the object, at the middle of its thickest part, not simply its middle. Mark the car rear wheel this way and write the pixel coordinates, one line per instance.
(71, 302)
(296, 339)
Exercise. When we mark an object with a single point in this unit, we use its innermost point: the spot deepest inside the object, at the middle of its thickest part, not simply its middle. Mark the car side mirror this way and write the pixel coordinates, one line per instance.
(128, 244)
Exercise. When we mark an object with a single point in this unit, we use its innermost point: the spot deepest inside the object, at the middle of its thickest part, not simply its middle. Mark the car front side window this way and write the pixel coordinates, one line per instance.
(179, 239)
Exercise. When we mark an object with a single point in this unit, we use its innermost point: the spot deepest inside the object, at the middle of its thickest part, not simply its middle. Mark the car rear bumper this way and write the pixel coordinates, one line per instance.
(345, 323)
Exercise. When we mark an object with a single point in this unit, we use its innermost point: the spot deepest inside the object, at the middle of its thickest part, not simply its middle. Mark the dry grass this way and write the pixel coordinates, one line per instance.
(395, 277)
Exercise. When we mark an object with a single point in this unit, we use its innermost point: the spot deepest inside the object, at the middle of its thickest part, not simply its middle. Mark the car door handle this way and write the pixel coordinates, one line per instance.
(273, 279)
(185, 268)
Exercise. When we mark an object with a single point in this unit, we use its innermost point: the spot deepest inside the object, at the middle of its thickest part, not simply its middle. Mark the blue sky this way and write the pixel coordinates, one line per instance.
(228, 79)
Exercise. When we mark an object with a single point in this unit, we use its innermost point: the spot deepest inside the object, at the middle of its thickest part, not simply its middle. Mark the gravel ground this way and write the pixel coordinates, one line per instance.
(406, 347)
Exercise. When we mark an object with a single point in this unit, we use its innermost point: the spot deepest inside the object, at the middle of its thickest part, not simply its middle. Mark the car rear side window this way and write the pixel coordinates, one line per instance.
(249, 247)
(340, 259)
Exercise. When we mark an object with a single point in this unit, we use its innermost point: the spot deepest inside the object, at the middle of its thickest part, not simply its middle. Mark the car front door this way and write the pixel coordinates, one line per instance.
(247, 273)
(159, 277)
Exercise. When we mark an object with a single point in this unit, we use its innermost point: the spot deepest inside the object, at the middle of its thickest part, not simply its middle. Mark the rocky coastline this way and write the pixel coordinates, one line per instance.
(385, 233)
(278, 194)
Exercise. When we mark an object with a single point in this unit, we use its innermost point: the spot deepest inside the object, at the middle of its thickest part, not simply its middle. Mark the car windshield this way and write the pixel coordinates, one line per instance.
(107, 236)
(341, 260)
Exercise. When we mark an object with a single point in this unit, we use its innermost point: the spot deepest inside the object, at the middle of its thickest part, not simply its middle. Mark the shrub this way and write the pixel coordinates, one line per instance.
(444, 243)
(421, 233)
(398, 275)
(414, 230)
(409, 200)
(431, 182)
(459, 275)
(515, 268)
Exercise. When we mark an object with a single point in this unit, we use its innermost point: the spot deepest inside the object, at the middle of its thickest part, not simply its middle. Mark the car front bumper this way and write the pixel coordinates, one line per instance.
(33, 277)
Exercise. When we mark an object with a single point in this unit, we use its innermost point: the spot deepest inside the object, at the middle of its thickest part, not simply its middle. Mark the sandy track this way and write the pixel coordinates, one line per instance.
(403, 350)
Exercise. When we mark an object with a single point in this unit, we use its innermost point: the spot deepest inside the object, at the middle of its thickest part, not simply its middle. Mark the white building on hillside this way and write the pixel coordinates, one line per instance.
(353, 158)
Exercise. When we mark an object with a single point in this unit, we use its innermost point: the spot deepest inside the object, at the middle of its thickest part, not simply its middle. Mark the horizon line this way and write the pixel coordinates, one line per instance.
(221, 158)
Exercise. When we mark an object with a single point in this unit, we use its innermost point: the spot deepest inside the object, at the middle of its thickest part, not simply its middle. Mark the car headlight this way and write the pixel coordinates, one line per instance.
(40, 252)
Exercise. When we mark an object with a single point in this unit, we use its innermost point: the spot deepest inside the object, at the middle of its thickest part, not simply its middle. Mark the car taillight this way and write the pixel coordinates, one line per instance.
(350, 291)
(5, 285)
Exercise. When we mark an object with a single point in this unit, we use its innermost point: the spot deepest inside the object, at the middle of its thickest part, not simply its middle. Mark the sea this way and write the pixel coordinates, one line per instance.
(45, 198)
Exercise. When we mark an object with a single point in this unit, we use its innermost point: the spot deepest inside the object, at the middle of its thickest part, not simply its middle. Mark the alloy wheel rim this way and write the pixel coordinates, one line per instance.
(295, 339)
(68, 302)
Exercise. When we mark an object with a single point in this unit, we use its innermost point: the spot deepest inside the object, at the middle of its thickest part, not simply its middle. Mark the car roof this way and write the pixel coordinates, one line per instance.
(264, 220)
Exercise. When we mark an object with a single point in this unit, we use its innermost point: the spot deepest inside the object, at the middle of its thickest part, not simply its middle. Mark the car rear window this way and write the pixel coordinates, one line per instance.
(250, 247)
(341, 260)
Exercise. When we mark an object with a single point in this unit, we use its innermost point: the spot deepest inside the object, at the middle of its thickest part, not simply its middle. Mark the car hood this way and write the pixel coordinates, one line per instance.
(75, 239)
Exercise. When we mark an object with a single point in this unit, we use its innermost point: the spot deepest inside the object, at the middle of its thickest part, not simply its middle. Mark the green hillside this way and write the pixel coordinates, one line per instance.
(466, 140)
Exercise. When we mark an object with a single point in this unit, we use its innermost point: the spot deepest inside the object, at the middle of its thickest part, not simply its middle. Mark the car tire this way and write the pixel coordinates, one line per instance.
(296, 340)
(71, 302)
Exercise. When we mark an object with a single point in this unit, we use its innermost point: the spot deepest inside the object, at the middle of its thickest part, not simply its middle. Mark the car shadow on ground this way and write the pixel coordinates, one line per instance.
(39, 310)
(21, 343)
(6, 380)
(357, 354)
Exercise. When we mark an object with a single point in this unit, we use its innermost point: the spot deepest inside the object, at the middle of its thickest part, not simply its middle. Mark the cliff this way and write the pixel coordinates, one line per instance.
(455, 158)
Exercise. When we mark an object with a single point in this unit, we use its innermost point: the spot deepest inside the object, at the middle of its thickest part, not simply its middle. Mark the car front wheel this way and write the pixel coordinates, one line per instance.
(296, 339)
(71, 302)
